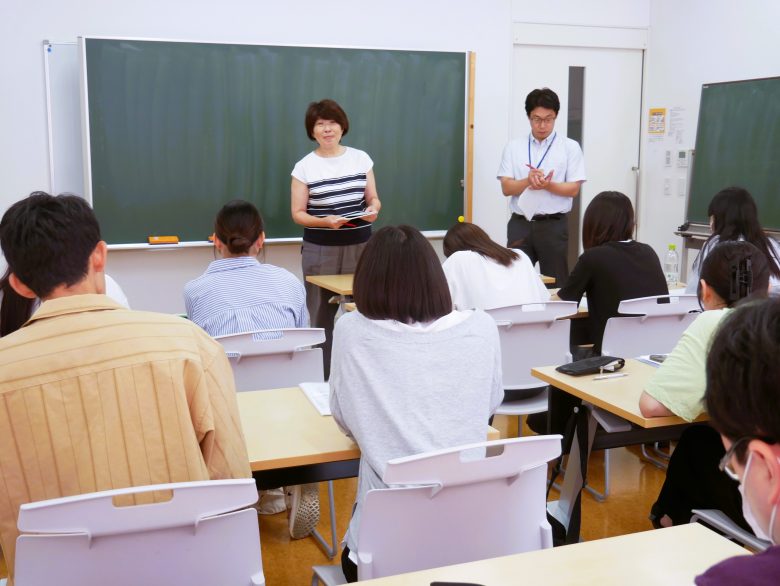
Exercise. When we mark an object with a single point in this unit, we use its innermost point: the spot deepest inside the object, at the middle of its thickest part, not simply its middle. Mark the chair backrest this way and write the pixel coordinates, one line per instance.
(196, 538)
(532, 335)
(654, 328)
(469, 503)
(272, 359)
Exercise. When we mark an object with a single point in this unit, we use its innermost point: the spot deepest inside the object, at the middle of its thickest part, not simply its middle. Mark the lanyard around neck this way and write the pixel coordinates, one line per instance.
(549, 146)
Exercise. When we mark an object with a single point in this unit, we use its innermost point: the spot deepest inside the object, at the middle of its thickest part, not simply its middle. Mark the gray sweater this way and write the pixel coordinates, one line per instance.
(404, 393)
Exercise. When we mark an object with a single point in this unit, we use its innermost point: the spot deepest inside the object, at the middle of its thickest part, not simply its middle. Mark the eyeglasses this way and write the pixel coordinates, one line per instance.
(536, 121)
(725, 461)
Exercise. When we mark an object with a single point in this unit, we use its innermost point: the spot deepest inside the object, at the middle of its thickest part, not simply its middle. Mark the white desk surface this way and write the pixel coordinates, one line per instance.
(662, 557)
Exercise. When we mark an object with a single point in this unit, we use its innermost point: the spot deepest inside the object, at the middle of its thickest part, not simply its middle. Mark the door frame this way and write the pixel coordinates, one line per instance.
(600, 37)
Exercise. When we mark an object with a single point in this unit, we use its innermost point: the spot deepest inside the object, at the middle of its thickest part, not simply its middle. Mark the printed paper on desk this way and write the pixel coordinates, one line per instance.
(319, 395)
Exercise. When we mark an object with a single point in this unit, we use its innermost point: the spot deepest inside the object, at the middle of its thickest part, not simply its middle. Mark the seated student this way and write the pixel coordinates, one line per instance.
(731, 272)
(613, 267)
(237, 293)
(123, 398)
(483, 275)
(743, 392)
(408, 373)
(734, 216)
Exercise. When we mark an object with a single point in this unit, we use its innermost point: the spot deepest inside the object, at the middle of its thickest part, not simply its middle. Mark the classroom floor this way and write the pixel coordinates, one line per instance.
(634, 486)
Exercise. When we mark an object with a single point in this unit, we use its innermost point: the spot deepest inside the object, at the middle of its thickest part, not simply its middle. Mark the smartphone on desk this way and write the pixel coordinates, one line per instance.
(659, 358)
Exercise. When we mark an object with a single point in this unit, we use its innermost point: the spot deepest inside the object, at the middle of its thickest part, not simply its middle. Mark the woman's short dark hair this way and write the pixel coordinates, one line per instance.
(608, 218)
(743, 380)
(735, 270)
(735, 217)
(468, 236)
(47, 240)
(542, 98)
(400, 277)
(238, 226)
(325, 110)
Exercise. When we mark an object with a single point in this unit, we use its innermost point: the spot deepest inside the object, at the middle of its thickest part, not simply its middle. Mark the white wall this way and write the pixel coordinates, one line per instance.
(691, 43)
(154, 279)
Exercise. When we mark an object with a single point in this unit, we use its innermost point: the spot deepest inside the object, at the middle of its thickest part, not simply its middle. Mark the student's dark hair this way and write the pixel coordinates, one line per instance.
(468, 236)
(400, 277)
(238, 226)
(542, 98)
(608, 218)
(325, 110)
(743, 380)
(735, 270)
(14, 309)
(47, 240)
(735, 217)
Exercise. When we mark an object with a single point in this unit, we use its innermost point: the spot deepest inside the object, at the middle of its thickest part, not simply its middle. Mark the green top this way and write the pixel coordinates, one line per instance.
(680, 381)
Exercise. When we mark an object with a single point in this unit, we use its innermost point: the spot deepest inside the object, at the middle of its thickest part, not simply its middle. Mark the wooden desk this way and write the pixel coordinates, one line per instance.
(289, 442)
(619, 397)
(338, 284)
(651, 558)
(342, 284)
(283, 429)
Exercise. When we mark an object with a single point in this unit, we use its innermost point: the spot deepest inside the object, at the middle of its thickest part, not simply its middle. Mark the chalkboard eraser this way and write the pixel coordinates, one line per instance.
(163, 239)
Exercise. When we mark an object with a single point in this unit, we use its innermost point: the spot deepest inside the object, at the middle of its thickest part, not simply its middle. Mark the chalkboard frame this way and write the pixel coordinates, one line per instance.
(468, 130)
(700, 225)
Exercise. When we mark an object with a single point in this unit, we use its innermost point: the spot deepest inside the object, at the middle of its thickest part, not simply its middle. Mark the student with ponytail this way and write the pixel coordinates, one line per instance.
(237, 293)
(733, 271)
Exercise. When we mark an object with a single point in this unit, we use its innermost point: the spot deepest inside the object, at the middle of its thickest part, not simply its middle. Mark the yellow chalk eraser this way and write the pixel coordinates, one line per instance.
(461, 219)
(163, 239)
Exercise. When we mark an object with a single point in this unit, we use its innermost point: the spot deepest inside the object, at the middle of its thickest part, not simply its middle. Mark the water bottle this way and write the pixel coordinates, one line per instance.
(672, 267)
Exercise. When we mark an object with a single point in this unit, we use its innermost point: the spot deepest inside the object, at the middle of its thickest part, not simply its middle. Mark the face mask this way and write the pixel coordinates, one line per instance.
(747, 512)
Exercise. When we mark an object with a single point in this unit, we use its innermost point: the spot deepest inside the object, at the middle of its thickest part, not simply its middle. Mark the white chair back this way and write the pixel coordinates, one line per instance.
(532, 335)
(476, 502)
(655, 329)
(196, 538)
(260, 361)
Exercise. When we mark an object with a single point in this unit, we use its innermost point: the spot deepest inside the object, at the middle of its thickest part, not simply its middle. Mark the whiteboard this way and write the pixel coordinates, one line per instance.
(63, 106)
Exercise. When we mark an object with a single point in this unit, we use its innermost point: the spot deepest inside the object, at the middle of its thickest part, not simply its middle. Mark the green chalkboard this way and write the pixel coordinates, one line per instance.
(738, 143)
(177, 129)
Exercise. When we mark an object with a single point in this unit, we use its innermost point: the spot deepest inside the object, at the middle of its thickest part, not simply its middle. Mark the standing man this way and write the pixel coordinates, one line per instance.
(542, 174)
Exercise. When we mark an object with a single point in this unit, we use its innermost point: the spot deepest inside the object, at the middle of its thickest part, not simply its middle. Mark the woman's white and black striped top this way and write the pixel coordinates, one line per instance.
(240, 294)
(337, 186)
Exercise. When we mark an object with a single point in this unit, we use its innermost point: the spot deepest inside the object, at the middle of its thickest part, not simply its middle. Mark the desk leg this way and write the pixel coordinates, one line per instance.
(573, 482)
(332, 548)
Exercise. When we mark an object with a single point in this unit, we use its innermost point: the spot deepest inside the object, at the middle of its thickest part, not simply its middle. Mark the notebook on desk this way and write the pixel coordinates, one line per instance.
(319, 395)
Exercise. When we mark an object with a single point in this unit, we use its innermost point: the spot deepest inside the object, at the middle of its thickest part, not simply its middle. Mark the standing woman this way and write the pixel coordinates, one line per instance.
(330, 182)
(734, 216)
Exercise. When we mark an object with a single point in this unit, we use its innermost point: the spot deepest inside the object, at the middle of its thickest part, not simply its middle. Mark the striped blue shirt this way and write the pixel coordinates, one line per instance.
(237, 295)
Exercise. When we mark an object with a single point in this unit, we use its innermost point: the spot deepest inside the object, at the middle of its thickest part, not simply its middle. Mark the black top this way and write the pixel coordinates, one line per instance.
(610, 273)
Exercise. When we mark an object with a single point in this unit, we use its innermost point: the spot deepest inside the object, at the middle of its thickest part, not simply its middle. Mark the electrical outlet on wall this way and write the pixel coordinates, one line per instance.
(681, 186)
(667, 185)
(668, 159)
